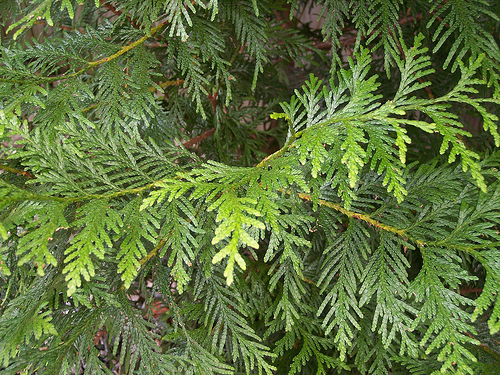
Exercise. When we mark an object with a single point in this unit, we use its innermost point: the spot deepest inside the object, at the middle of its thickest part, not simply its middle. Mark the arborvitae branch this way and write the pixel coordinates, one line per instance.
(357, 230)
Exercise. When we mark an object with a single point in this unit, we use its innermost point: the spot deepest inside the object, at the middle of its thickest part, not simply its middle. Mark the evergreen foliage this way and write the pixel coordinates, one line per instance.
(220, 187)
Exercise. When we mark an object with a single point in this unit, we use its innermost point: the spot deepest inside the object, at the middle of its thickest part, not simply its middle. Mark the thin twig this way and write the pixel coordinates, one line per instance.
(199, 138)
(26, 174)
(112, 8)
(470, 249)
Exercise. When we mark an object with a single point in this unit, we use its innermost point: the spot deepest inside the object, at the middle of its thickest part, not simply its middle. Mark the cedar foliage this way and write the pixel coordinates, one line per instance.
(218, 187)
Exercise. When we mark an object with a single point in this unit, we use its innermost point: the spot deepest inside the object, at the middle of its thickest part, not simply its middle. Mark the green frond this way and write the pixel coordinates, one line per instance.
(335, 12)
(413, 65)
(385, 278)
(371, 356)
(177, 13)
(250, 30)
(463, 19)
(290, 305)
(138, 226)
(233, 213)
(383, 24)
(228, 323)
(448, 327)
(90, 242)
(311, 147)
(489, 260)
(181, 243)
(339, 279)
(33, 245)
(42, 10)
(312, 348)
(26, 321)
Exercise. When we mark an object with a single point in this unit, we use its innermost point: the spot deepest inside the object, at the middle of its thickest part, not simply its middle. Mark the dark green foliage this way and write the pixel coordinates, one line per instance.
(221, 187)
